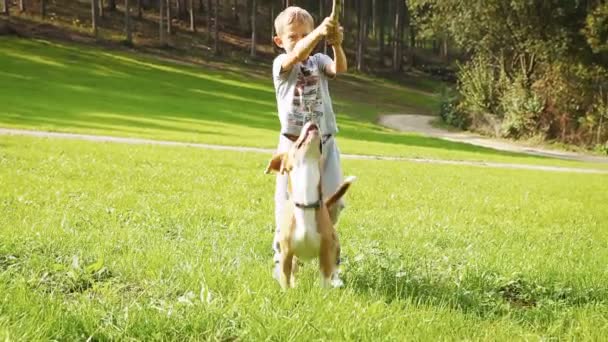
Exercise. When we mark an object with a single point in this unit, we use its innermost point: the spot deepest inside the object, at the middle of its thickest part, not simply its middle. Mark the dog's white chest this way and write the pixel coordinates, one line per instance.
(306, 239)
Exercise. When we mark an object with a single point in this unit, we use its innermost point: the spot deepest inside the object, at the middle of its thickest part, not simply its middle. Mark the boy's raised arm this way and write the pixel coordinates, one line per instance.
(306, 45)
(339, 64)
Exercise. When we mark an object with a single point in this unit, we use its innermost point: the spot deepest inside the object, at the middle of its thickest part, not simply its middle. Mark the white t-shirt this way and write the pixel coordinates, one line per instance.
(303, 95)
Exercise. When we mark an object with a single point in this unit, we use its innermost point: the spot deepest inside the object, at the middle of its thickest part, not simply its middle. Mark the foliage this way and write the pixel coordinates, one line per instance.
(520, 108)
(450, 112)
(596, 28)
(536, 67)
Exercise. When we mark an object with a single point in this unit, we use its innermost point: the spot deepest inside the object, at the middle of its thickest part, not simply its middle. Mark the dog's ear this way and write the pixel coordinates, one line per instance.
(276, 164)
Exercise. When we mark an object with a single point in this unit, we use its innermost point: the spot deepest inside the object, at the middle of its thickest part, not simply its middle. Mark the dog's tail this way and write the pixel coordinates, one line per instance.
(340, 192)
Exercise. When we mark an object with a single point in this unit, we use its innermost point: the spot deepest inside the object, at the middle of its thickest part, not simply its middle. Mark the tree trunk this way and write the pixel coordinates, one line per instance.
(101, 10)
(412, 49)
(374, 16)
(43, 9)
(7, 10)
(111, 5)
(397, 37)
(381, 32)
(128, 33)
(390, 19)
(249, 19)
(321, 17)
(94, 17)
(22, 5)
(192, 18)
(235, 11)
(169, 26)
(209, 20)
(444, 50)
(254, 8)
(362, 34)
(139, 10)
(216, 47)
(161, 19)
(272, 32)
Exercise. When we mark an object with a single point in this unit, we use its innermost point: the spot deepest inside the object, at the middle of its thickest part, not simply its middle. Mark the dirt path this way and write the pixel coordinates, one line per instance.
(422, 124)
(139, 141)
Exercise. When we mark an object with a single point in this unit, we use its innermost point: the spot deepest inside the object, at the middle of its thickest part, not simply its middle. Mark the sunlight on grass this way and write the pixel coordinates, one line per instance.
(183, 71)
(107, 93)
(233, 97)
(32, 58)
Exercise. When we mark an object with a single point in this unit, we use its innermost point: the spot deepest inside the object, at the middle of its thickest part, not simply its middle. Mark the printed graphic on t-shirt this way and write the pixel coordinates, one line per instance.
(307, 104)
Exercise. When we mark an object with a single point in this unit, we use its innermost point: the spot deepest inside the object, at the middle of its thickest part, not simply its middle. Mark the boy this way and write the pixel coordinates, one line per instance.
(302, 93)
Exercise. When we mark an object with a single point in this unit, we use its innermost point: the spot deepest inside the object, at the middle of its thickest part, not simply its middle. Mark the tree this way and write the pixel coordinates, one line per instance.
(128, 34)
(161, 19)
(94, 17)
(209, 20)
(100, 8)
(216, 46)
(381, 29)
(22, 5)
(321, 17)
(43, 8)
(180, 9)
(596, 28)
(249, 9)
(272, 33)
(192, 21)
(139, 10)
(7, 10)
(397, 36)
(254, 8)
(362, 33)
(111, 5)
(169, 26)
(235, 11)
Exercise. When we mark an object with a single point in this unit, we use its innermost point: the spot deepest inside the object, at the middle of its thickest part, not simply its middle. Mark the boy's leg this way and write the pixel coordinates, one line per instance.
(332, 179)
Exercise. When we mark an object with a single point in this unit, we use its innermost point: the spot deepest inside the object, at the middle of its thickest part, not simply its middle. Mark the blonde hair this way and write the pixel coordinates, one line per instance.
(290, 15)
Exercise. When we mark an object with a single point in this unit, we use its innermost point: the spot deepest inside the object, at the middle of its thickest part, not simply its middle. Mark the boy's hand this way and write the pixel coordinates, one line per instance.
(336, 37)
(327, 27)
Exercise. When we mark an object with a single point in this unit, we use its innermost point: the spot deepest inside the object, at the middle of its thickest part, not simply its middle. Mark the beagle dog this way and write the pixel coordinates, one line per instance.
(306, 232)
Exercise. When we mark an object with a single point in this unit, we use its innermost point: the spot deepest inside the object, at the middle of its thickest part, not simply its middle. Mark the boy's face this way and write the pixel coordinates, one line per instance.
(292, 34)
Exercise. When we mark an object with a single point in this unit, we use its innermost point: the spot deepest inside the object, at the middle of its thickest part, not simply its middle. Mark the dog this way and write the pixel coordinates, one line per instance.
(307, 231)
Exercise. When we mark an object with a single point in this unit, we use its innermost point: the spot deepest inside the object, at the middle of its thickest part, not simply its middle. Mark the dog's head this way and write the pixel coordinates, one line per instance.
(305, 152)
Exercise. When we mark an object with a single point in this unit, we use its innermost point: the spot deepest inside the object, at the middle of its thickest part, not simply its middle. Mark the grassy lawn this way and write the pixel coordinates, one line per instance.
(58, 87)
(111, 241)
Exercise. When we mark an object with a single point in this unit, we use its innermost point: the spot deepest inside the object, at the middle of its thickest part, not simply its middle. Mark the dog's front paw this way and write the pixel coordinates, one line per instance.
(336, 282)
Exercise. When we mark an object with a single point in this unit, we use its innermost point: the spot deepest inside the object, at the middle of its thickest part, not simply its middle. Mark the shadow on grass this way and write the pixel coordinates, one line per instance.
(80, 87)
(488, 294)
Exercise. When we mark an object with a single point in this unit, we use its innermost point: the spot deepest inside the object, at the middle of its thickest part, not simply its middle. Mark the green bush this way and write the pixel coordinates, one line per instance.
(477, 82)
(450, 110)
(521, 109)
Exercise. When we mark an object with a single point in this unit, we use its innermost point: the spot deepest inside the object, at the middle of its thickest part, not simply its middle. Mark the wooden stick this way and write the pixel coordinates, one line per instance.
(335, 12)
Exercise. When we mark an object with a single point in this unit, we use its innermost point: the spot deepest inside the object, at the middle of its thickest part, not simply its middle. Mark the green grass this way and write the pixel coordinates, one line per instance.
(71, 88)
(113, 241)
